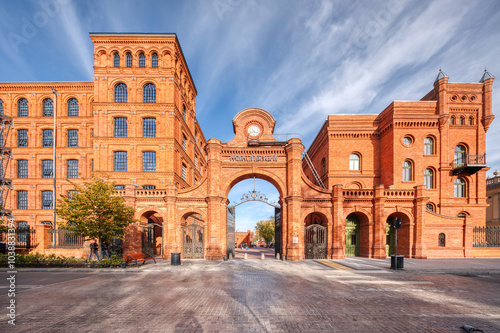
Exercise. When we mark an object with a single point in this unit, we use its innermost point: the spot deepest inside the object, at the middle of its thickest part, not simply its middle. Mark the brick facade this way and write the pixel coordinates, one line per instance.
(136, 124)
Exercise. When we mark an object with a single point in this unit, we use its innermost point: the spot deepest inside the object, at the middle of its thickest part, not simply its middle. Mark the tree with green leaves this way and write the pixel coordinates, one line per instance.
(94, 211)
(265, 230)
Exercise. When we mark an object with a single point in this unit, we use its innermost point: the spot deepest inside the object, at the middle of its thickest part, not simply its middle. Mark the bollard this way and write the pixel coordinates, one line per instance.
(245, 256)
(262, 256)
(230, 255)
(278, 256)
(284, 258)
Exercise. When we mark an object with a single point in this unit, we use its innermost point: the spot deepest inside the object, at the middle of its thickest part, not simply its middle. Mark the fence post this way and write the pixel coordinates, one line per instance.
(42, 237)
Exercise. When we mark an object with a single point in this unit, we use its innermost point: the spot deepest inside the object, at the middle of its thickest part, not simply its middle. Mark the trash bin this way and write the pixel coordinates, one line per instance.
(175, 258)
(397, 262)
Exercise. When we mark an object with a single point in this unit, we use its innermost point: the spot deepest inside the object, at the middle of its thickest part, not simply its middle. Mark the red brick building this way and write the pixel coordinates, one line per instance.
(244, 238)
(422, 161)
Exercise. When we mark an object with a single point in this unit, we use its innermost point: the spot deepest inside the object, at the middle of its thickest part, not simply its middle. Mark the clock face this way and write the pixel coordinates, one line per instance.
(254, 130)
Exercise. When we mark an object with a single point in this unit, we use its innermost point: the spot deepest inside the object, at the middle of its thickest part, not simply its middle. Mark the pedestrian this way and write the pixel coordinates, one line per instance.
(105, 249)
(94, 247)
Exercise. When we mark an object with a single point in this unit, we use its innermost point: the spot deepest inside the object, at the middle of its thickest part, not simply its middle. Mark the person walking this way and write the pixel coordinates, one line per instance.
(94, 247)
(105, 249)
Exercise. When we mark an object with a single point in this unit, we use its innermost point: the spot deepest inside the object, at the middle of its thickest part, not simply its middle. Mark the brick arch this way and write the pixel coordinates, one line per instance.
(405, 233)
(257, 173)
(323, 212)
(150, 209)
(363, 214)
(192, 210)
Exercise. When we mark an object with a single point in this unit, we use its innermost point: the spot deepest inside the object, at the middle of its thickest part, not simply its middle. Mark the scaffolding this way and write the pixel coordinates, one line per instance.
(5, 156)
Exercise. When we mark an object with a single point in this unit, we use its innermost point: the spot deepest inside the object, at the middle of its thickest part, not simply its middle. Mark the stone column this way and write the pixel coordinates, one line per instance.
(338, 243)
(379, 199)
(419, 248)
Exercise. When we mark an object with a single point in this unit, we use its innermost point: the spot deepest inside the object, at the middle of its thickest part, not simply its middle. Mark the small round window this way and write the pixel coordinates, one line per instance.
(407, 140)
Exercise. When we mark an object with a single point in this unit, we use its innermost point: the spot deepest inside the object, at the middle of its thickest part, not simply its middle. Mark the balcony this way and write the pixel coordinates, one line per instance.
(469, 164)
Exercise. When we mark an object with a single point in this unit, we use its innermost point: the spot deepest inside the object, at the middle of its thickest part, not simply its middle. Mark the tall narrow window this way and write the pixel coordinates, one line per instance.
(196, 161)
(154, 60)
(429, 178)
(47, 169)
(184, 143)
(184, 114)
(149, 93)
(142, 60)
(22, 168)
(323, 166)
(460, 156)
(116, 59)
(462, 120)
(442, 240)
(120, 159)
(149, 161)
(48, 107)
(459, 188)
(452, 120)
(128, 58)
(121, 93)
(47, 138)
(72, 168)
(22, 231)
(73, 110)
(354, 162)
(471, 121)
(72, 138)
(22, 199)
(407, 172)
(184, 172)
(22, 107)
(1, 107)
(120, 127)
(428, 146)
(22, 138)
(149, 127)
(47, 199)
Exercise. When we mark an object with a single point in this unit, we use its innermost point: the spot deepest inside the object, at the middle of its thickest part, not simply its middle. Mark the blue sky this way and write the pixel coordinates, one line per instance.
(299, 60)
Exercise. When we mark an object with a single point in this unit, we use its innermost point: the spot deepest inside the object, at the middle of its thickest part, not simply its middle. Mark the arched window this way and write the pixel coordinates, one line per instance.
(48, 107)
(154, 60)
(460, 156)
(354, 162)
(116, 60)
(430, 207)
(459, 188)
(452, 120)
(462, 121)
(149, 93)
(323, 166)
(429, 146)
(442, 240)
(407, 171)
(429, 178)
(142, 60)
(121, 93)
(73, 107)
(1, 107)
(184, 114)
(471, 121)
(462, 214)
(184, 142)
(184, 172)
(128, 58)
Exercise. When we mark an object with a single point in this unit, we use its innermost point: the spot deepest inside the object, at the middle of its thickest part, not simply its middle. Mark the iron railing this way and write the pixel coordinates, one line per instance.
(25, 238)
(486, 237)
(65, 239)
(470, 160)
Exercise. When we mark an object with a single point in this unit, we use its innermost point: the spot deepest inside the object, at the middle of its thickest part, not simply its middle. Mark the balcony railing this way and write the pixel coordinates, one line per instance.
(469, 164)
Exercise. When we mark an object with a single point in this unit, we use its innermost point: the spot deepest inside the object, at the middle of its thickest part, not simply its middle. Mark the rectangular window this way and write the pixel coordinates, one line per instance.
(184, 172)
(71, 194)
(22, 199)
(184, 143)
(47, 168)
(22, 231)
(195, 161)
(149, 161)
(22, 169)
(119, 187)
(22, 138)
(149, 127)
(121, 127)
(47, 138)
(72, 168)
(149, 187)
(47, 200)
(73, 138)
(120, 161)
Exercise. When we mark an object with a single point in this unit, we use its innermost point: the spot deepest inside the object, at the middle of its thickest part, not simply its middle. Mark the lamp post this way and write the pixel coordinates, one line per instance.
(54, 144)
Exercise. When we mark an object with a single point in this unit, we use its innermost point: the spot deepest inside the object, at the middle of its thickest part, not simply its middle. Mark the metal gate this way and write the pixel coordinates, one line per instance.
(278, 231)
(193, 241)
(230, 240)
(148, 240)
(315, 242)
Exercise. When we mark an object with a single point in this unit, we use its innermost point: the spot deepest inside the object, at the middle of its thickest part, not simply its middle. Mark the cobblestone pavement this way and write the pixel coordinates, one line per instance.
(251, 296)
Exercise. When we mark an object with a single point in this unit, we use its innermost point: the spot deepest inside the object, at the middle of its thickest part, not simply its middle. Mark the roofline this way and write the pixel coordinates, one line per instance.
(149, 34)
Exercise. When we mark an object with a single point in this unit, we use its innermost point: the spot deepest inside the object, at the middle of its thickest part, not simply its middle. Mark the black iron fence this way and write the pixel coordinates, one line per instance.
(24, 237)
(65, 239)
(486, 237)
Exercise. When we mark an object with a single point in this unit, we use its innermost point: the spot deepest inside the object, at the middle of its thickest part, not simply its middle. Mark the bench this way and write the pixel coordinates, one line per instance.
(137, 258)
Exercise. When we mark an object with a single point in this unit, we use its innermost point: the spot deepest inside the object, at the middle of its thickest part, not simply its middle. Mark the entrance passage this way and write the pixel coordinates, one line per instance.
(389, 239)
(148, 240)
(352, 236)
(315, 242)
(193, 241)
